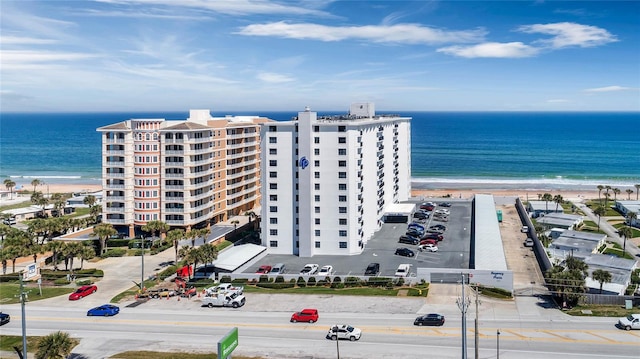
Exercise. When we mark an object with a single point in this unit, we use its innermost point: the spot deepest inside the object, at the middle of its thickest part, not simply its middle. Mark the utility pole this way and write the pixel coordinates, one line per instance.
(476, 325)
(463, 304)
(498, 344)
(142, 271)
(23, 299)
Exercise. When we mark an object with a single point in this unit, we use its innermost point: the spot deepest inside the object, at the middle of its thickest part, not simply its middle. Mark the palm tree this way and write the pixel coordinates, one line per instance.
(94, 211)
(607, 188)
(59, 203)
(103, 231)
(72, 250)
(616, 192)
(174, 236)
(630, 217)
(558, 200)
(547, 197)
(601, 276)
(599, 211)
(87, 253)
(57, 345)
(625, 233)
(13, 252)
(637, 186)
(89, 200)
(629, 192)
(154, 227)
(56, 247)
(35, 183)
(9, 184)
(209, 253)
(4, 258)
(600, 188)
(252, 215)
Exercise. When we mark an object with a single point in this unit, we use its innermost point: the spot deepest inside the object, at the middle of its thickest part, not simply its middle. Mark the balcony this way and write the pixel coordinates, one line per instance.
(173, 210)
(198, 140)
(115, 140)
(174, 187)
(113, 186)
(174, 152)
(173, 175)
(173, 140)
(114, 209)
(114, 152)
(114, 221)
(114, 198)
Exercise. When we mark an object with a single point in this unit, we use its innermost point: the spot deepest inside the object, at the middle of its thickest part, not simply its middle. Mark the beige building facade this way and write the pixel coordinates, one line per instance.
(187, 173)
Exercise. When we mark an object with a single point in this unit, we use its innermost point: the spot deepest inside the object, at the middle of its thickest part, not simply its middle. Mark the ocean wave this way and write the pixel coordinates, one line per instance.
(45, 177)
(558, 183)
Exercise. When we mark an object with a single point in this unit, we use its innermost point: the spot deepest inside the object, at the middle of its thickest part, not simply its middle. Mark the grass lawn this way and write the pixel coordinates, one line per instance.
(366, 291)
(9, 292)
(160, 355)
(7, 342)
(616, 311)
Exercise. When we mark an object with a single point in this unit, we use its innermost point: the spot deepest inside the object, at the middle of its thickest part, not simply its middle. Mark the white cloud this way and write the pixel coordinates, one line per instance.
(559, 100)
(400, 33)
(491, 49)
(567, 34)
(609, 89)
(274, 78)
(21, 40)
(13, 59)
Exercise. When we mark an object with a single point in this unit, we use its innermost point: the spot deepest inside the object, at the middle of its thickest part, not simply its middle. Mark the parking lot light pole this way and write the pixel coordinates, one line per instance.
(498, 344)
(463, 303)
(142, 271)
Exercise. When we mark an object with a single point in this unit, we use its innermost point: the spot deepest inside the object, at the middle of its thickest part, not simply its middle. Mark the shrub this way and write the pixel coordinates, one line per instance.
(84, 282)
(279, 279)
(276, 285)
(301, 282)
(114, 252)
(118, 242)
(161, 248)
(168, 272)
(264, 279)
(337, 285)
(352, 282)
(61, 281)
(311, 282)
(240, 280)
(379, 282)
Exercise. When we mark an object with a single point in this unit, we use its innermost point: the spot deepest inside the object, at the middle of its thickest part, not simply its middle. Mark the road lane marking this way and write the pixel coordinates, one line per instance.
(601, 337)
(562, 337)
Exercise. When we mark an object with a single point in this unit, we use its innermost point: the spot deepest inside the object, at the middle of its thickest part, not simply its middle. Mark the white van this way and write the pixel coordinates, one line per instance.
(9, 221)
(277, 269)
(403, 270)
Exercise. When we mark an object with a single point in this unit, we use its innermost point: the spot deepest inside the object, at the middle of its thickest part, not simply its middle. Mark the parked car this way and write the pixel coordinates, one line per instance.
(277, 269)
(441, 227)
(443, 211)
(429, 206)
(405, 252)
(158, 293)
(372, 269)
(442, 218)
(429, 241)
(326, 270)
(344, 331)
(435, 236)
(83, 291)
(632, 321)
(429, 319)
(408, 240)
(528, 242)
(264, 269)
(403, 270)
(305, 315)
(414, 233)
(4, 318)
(105, 310)
(444, 204)
(419, 220)
(524, 229)
(417, 226)
(420, 215)
(430, 247)
(309, 269)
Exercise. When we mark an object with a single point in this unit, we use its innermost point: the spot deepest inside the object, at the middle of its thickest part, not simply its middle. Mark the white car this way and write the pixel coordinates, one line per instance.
(326, 270)
(309, 269)
(429, 247)
(343, 331)
(443, 211)
(632, 321)
(403, 270)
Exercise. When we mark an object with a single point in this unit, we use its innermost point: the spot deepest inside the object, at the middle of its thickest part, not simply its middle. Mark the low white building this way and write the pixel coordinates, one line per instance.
(620, 269)
(574, 243)
(539, 208)
(560, 220)
(626, 207)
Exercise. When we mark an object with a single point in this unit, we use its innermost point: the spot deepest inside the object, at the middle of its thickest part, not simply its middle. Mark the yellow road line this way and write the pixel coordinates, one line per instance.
(563, 338)
(601, 337)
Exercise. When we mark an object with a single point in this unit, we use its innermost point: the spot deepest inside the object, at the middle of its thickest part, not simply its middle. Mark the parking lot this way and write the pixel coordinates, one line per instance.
(453, 250)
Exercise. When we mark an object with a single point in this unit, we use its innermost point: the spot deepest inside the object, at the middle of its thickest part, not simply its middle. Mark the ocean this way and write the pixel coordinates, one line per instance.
(450, 150)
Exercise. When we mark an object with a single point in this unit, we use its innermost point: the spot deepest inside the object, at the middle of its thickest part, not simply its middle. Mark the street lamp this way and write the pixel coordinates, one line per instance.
(463, 304)
(498, 344)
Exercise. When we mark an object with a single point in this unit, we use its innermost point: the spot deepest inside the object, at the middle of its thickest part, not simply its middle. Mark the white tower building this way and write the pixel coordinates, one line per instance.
(327, 181)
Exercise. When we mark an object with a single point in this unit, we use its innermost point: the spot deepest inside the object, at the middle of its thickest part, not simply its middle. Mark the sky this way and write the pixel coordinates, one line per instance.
(252, 55)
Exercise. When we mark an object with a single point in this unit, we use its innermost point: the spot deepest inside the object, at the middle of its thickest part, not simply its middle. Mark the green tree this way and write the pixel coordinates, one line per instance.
(599, 211)
(87, 253)
(94, 211)
(89, 200)
(606, 196)
(209, 253)
(104, 231)
(629, 192)
(59, 202)
(547, 197)
(35, 183)
(558, 200)
(12, 253)
(10, 185)
(154, 227)
(56, 248)
(57, 345)
(600, 188)
(567, 280)
(616, 192)
(637, 186)
(630, 217)
(601, 276)
(625, 233)
(70, 251)
(175, 236)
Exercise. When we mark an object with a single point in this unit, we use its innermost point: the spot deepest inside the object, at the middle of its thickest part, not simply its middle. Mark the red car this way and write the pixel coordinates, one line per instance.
(263, 270)
(305, 315)
(82, 292)
(429, 241)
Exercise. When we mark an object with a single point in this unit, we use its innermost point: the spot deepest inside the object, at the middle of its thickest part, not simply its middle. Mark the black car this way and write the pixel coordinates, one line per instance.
(441, 227)
(4, 318)
(420, 215)
(409, 240)
(405, 252)
(413, 232)
(372, 269)
(429, 319)
(444, 204)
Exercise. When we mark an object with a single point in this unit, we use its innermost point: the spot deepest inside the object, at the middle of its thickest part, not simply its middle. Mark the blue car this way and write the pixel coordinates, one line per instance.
(105, 310)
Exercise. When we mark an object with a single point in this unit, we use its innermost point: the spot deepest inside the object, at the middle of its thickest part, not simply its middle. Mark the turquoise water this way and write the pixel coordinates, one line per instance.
(519, 150)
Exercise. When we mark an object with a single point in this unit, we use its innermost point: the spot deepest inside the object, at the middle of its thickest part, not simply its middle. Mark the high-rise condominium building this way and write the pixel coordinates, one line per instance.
(187, 173)
(326, 181)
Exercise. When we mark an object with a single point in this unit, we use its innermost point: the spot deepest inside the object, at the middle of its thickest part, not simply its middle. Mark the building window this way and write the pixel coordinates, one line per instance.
(342, 233)
(273, 209)
(317, 220)
(316, 174)
(342, 151)
(342, 174)
(317, 244)
(342, 140)
(316, 151)
(317, 209)
(316, 140)
(317, 233)
(273, 151)
(342, 221)
(274, 220)
(273, 243)
(316, 128)
(273, 174)
(274, 232)
(342, 209)
(274, 163)
(273, 186)
(342, 163)
(316, 163)
(342, 186)
(342, 128)
(343, 244)
(273, 129)
(273, 197)
(342, 198)
(273, 140)
(316, 198)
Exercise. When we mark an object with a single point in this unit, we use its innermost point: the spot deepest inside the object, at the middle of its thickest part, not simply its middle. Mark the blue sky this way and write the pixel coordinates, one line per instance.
(249, 55)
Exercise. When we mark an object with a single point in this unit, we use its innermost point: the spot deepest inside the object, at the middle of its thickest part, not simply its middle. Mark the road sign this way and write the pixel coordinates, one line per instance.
(31, 272)
(228, 343)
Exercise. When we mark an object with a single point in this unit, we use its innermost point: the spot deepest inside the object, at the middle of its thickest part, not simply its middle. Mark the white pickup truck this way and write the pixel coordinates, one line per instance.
(229, 299)
(223, 288)
(632, 321)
